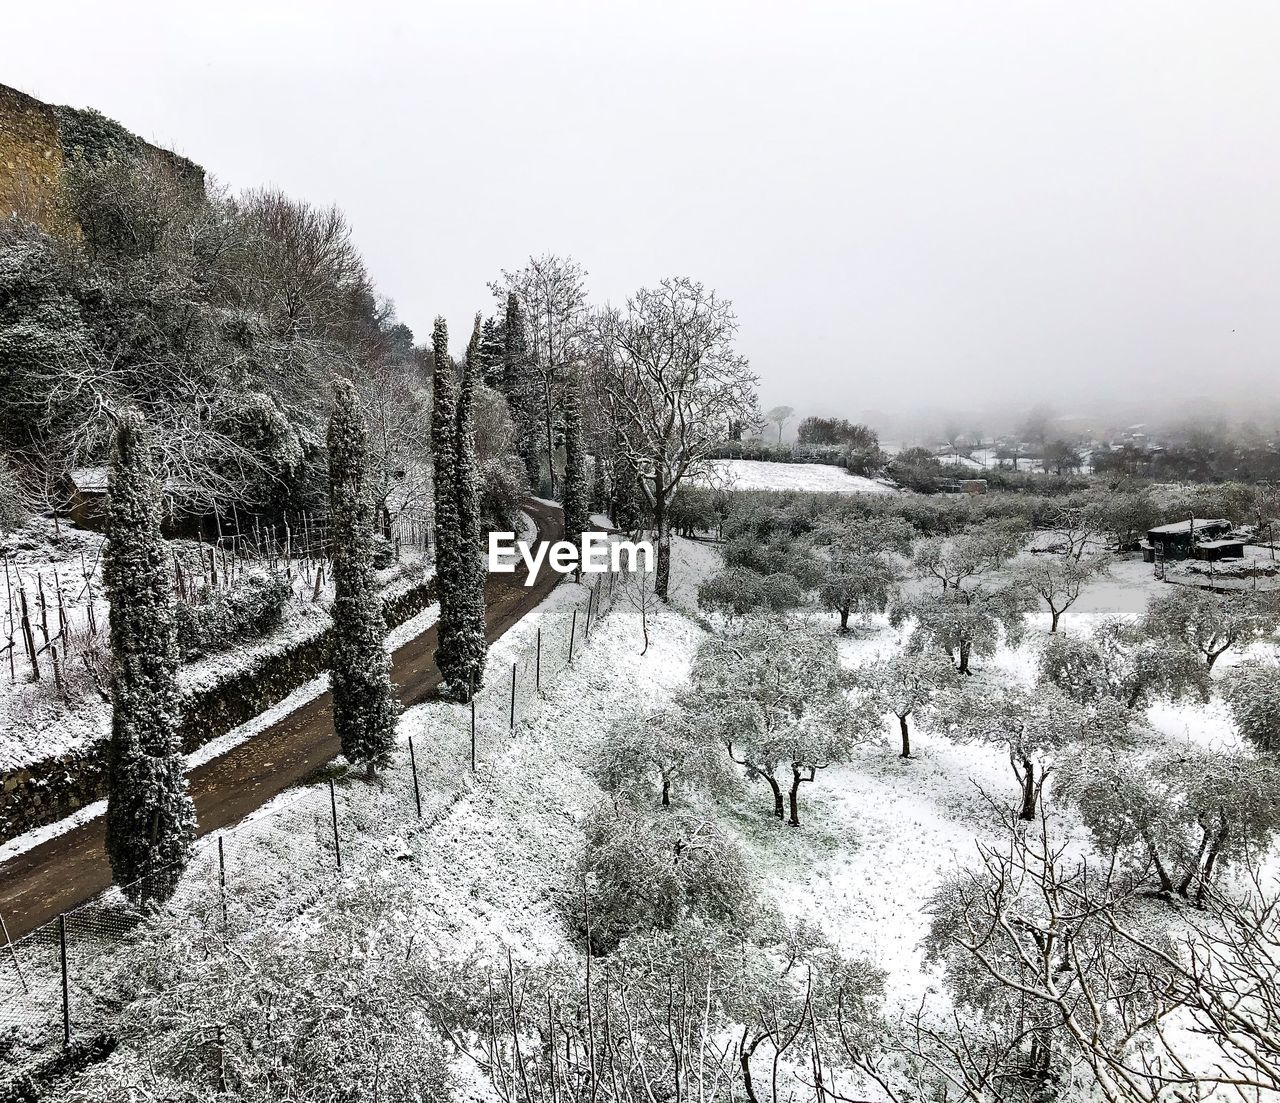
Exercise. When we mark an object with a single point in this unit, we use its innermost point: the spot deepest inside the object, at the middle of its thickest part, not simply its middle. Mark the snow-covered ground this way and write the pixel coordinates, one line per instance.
(879, 836)
(37, 719)
(820, 478)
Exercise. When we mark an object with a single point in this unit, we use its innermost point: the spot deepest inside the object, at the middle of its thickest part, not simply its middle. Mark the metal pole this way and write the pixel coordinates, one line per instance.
(66, 987)
(513, 697)
(413, 765)
(333, 807)
(573, 631)
(222, 880)
(537, 668)
(4, 927)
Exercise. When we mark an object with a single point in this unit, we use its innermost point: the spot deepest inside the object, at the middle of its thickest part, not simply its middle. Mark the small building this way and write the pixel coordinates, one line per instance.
(1182, 539)
(1212, 551)
(973, 486)
(87, 496)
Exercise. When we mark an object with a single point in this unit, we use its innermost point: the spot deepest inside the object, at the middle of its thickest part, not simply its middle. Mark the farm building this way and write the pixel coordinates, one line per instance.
(1195, 538)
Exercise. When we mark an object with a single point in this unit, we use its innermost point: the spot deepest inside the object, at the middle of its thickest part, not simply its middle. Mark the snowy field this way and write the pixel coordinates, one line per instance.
(880, 833)
(818, 478)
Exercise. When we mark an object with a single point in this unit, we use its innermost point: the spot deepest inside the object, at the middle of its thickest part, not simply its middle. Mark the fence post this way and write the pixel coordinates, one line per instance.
(513, 697)
(573, 631)
(222, 881)
(4, 927)
(66, 986)
(333, 808)
(413, 765)
(537, 668)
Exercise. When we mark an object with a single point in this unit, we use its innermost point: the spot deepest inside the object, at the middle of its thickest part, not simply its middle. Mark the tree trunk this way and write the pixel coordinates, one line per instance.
(666, 792)
(964, 657)
(777, 794)
(844, 619)
(551, 439)
(906, 737)
(662, 572)
(793, 798)
(1028, 811)
(1053, 623)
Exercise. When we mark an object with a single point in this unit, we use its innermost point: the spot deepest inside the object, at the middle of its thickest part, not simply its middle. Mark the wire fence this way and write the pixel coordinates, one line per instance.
(282, 859)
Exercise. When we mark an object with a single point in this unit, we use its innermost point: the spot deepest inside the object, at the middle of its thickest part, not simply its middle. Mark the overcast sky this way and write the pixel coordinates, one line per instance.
(911, 204)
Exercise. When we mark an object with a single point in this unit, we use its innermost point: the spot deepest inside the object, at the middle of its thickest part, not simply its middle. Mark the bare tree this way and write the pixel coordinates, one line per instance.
(552, 294)
(675, 382)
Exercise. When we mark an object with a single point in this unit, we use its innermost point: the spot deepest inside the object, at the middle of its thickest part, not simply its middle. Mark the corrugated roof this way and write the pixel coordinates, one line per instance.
(1185, 526)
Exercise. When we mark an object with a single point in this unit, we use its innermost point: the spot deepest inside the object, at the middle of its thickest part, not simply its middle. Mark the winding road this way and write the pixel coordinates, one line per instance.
(72, 867)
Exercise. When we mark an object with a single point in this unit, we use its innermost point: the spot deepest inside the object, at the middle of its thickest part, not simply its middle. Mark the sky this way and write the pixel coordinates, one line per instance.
(953, 208)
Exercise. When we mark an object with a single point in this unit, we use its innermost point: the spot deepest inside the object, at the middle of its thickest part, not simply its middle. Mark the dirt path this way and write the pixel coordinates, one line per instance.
(72, 867)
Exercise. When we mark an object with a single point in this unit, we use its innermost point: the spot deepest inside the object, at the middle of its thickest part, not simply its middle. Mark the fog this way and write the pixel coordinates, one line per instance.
(921, 210)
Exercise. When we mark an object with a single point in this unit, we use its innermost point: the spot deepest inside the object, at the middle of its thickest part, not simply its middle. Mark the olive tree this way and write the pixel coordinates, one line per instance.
(776, 696)
(908, 686)
(1210, 623)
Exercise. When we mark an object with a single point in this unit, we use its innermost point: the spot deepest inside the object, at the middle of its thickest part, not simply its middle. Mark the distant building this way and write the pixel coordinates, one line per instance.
(973, 486)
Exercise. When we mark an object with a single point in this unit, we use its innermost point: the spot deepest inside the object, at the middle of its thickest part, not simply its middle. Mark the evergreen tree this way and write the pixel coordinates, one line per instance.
(453, 657)
(626, 506)
(577, 512)
(493, 355)
(520, 390)
(151, 820)
(364, 701)
(467, 489)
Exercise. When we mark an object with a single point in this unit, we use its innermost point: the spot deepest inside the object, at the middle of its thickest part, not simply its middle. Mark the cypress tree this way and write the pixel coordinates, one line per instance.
(468, 493)
(577, 511)
(151, 819)
(453, 656)
(493, 362)
(521, 391)
(364, 700)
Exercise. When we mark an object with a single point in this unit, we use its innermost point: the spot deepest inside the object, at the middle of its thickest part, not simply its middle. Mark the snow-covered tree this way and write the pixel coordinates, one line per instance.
(963, 562)
(1252, 689)
(648, 757)
(779, 416)
(453, 654)
(1036, 726)
(1055, 973)
(965, 623)
(1117, 659)
(645, 871)
(577, 511)
(1183, 813)
(520, 387)
(1058, 580)
(860, 568)
(467, 490)
(740, 592)
(675, 383)
(151, 820)
(908, 686)
(775, 695)
(1211, 623)
(551, 294)
(364, 700)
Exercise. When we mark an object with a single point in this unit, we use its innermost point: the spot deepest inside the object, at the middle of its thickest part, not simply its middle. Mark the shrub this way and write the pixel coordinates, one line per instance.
(740, 590)
(648, 871)
(220, 619)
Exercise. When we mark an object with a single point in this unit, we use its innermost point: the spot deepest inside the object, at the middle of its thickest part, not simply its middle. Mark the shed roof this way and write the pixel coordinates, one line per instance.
(1185, 526)
(90, 480)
